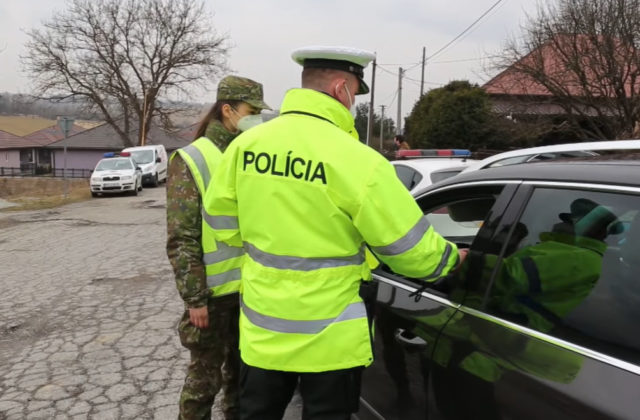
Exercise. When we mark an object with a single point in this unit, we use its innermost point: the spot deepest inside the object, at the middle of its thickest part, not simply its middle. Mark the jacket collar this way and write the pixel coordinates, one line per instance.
(321, 105)
(219, 135)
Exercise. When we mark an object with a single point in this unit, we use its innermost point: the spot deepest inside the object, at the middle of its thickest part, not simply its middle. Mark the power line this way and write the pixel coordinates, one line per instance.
(417, 82)
(414, 66)
(467, 29)
(395, 74)
(387, 71)
(399, 64)
(393, 99)
(463, 59)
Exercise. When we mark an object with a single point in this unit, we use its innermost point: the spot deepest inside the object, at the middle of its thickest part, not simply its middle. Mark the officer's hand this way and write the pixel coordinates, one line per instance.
(199, 317)
(462, 255)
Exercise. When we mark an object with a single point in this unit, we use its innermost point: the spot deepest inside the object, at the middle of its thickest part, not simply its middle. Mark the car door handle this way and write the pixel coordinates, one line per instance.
(408, 339)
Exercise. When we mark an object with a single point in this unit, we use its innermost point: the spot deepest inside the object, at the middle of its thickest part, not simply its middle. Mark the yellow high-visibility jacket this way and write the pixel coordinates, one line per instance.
(222, 262)
(304, 197)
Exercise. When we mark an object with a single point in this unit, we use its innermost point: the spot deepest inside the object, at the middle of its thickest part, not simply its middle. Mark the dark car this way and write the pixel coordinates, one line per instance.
(542, 321)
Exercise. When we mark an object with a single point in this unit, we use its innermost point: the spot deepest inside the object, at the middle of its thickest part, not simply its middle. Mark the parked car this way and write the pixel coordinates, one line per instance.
(116, 173)
(152, 159)
(418, 172)
(541, 321)
(557, 151)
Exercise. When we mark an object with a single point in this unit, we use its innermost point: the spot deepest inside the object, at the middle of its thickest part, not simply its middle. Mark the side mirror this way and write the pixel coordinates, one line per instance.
(158, 159)
(138, 168)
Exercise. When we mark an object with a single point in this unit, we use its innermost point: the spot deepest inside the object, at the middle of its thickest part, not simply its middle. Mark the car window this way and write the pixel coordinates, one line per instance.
(106, 165)
(459, 221)
(438, 176)
(409, 176)
(123, 164)
(570, 269)
(509, 161)
(143, 156)
(560, 155)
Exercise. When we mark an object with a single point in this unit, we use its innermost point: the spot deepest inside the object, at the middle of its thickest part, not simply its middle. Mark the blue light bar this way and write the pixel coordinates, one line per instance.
(109, 154)
(461, 152)
(421, 153)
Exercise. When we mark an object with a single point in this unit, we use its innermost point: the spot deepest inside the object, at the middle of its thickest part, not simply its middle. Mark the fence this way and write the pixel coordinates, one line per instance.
(51, 173)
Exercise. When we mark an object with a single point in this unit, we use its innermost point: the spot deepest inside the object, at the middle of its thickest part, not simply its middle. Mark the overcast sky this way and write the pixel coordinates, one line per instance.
(264, 32)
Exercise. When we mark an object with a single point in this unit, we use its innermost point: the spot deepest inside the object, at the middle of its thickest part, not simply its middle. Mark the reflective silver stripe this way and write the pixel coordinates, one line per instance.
(285, 262)
(224, 252)
(353, 311)
(220, 222)
(222, 278)
(200, 162)
(407, 242)
(443, 263)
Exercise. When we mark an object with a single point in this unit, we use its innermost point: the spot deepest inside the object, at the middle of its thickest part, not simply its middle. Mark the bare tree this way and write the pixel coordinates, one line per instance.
(583, 55)
(123, 56)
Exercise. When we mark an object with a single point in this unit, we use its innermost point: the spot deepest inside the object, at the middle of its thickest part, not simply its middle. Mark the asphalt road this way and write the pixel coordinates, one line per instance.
(88, 312)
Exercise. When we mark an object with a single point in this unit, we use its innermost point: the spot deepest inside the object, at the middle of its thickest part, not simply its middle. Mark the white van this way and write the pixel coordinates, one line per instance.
(152, 159)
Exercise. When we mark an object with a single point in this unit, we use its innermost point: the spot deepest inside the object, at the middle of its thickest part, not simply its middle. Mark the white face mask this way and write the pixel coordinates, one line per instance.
(249, 121)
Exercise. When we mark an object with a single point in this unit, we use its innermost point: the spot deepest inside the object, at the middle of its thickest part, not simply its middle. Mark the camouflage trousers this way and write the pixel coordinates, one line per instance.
(214, 365)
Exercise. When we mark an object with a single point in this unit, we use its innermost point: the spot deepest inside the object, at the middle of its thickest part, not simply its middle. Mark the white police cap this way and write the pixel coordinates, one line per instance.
(347, 59)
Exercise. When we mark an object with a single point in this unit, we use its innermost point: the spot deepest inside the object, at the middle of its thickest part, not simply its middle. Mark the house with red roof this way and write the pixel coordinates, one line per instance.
(48, 149)
(28, 152)
(85, 149)
(546, 81)
(9, 158)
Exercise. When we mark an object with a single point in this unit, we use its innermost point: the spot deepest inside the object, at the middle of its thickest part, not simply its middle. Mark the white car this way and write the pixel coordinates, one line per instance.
(116, 173)
(558, 151)
(152, 159)
(431, 166)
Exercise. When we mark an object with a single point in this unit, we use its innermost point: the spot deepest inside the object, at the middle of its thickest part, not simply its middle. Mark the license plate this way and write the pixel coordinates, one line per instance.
(111, 184)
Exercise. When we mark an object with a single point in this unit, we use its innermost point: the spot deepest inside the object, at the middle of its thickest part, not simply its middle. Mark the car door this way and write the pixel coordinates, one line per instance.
(547, 327)
(410, 317)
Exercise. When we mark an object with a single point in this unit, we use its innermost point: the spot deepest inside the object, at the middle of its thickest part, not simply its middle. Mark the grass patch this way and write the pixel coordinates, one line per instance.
(42, 193)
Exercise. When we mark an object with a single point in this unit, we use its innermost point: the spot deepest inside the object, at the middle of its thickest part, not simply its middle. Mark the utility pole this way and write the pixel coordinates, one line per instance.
(381, 125)
(371, 119)
(398, 124)
(143, 135)
(65, 124)
(422, 78)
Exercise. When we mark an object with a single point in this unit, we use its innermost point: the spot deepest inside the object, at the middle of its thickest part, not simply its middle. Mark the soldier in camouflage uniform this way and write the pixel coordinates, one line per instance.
(209, 325)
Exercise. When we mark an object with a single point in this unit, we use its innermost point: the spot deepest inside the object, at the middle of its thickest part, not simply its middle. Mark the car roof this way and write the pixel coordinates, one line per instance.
(434, 163)
(118, 158)
(598, 170)
(145, 147)
(569, 147)
(452, 168)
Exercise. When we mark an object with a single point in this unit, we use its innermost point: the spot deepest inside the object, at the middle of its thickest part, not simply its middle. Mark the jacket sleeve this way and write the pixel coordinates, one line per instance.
(221, 203)
(184, 231)
(395, 228)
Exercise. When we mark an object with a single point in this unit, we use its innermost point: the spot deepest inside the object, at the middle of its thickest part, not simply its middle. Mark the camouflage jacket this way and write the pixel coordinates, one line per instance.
(184, 224)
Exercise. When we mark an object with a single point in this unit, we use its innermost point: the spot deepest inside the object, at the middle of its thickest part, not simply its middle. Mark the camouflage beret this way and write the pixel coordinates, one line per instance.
(241, 89)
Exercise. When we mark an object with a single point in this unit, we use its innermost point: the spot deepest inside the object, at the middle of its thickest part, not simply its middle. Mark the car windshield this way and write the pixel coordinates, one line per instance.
(114, 164)
(143, 156)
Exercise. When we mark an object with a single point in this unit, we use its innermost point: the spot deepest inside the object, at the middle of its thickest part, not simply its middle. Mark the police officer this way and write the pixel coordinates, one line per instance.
(304, 197)
(207, 273)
